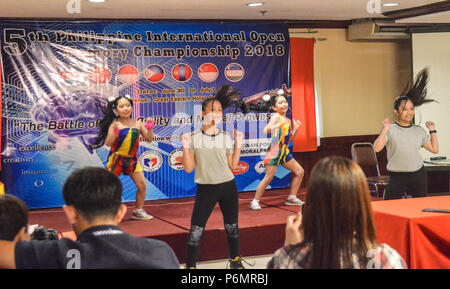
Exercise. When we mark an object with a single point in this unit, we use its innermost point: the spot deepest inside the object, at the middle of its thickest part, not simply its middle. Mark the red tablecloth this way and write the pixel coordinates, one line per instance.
(421, 238)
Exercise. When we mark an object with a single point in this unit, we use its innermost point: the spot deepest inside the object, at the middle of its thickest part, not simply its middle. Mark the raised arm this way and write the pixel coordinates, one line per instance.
(113, 134)
(297, 124)
(273, 124)
(147, 129)
(432, 145)
(233, 160)
(188, 157)
(380, 142)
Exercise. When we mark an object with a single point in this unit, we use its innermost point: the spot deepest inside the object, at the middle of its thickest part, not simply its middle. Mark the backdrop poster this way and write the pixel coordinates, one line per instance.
(56, 75)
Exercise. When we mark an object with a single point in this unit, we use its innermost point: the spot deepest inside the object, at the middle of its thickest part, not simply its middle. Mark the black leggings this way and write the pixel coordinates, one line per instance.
(414, 183)
(205, 200)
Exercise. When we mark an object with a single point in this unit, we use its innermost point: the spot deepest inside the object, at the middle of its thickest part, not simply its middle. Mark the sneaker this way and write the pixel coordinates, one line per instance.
(193, 267)
(254, 205)
(236, 263)
(293, 201)
(140, 214)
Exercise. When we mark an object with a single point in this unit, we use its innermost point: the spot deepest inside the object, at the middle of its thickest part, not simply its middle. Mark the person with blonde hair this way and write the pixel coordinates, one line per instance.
(337, 228)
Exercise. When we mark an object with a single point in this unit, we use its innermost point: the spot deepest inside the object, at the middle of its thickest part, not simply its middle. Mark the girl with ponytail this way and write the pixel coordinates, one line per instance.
(121, 133)
(403, 141)
(283, 132)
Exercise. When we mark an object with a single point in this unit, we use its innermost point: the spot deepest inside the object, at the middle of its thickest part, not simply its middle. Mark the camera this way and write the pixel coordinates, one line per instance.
(43, 233)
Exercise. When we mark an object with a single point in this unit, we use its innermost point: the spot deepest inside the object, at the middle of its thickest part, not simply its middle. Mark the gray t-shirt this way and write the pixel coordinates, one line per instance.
(402, 145)
(210, 154)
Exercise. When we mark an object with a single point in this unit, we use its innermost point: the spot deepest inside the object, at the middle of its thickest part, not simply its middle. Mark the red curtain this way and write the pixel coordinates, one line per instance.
(302, 89)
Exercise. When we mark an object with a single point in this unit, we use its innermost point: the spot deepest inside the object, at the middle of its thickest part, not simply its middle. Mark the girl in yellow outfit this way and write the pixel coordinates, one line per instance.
(278, 153)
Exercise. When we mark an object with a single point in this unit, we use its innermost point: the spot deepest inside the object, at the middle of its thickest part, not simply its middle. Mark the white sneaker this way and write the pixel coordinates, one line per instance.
(254, 205)
(140, 214)
(293, 201)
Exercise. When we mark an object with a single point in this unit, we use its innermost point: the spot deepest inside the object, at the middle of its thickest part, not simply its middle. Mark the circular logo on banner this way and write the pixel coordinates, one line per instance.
(128, 74)
(154, 73)
(181, 72)
(100, 75)
(234, 72)
(260, 167)
(176, 159)
(242, 167)
(208, 72)
(151, 160)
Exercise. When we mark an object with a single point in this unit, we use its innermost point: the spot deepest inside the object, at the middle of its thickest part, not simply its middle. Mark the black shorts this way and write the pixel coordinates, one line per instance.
(412, 183)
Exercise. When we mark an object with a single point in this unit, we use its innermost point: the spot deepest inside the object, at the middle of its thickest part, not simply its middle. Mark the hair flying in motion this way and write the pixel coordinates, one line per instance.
(225, 95)
(267, 102)
(108, 117)
(417, 92)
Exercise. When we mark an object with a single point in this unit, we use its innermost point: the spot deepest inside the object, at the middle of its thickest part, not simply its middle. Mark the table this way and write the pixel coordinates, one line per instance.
(438, 177)
(421, 238)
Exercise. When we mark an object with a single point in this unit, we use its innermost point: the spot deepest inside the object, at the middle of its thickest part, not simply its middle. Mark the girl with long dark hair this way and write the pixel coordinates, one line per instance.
(212, 153)
(283, 132)
(336, 230)
(120, 132)
(403, 141)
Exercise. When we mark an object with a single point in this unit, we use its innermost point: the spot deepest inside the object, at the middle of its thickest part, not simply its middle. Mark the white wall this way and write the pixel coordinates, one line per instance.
(432, 50)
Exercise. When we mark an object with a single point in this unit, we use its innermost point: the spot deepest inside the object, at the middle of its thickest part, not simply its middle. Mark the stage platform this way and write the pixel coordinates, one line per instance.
(262, 232)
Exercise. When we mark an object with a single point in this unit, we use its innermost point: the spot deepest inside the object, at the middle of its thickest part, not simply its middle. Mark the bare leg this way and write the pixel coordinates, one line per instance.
(270, 172)
(139, 180)
(298, 173)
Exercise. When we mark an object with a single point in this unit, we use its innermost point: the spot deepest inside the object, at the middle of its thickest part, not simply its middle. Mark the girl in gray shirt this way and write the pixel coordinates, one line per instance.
(403, 141)
(212, 153)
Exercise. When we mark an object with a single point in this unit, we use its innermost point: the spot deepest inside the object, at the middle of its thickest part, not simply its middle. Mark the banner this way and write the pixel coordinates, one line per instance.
(55, 72)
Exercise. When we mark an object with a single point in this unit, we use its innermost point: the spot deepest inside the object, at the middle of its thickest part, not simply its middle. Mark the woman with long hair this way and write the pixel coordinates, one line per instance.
(403, 140)
(120, 132)
(336, 228)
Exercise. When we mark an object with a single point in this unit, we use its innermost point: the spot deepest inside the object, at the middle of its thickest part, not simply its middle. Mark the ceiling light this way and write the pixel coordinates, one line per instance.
(97, 1)
(390, 4)
(254, 4)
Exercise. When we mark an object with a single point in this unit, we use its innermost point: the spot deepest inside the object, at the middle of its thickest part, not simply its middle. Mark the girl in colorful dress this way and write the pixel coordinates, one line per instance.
(283, 132)
(121, 133)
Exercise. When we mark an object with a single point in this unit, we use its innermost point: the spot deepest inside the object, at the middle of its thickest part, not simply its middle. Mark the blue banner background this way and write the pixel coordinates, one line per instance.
(53, 74)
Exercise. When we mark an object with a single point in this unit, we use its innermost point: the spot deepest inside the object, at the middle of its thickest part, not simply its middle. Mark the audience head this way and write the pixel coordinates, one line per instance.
(13, 219)
(337, 217)
(95, 195)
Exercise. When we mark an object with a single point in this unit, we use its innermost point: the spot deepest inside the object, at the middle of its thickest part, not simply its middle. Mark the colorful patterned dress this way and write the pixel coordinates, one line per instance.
(278, 152)
(122, 155)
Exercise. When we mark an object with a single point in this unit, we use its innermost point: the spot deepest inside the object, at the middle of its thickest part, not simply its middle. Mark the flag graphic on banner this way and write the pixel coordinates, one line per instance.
(181, 72)
(208, 72)
(100, 75)
(128, 74)
(234, 72)
(69, 76)
(154, 73)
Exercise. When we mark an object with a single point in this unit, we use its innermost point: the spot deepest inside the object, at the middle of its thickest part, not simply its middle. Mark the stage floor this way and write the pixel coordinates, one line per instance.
(262, 232)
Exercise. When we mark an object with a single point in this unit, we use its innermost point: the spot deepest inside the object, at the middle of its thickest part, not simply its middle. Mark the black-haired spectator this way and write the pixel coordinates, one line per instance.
(13, 219)
(93, 206)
